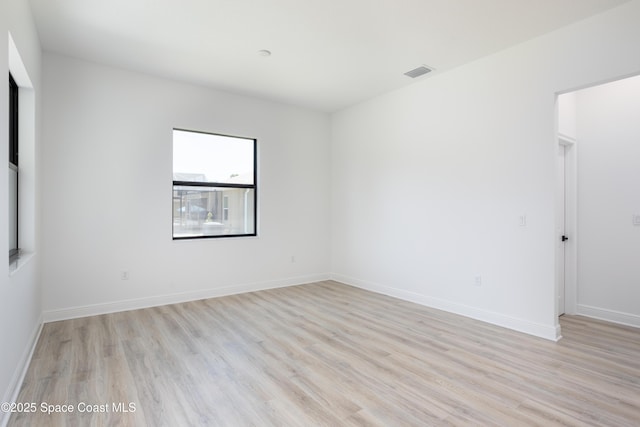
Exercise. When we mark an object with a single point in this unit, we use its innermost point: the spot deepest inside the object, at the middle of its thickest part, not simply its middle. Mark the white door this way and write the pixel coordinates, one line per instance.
(560, 229)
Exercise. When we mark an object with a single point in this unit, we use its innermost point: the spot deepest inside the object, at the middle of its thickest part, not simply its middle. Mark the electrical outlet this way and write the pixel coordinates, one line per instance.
(124, 275)
(478, 281)
(522, 220)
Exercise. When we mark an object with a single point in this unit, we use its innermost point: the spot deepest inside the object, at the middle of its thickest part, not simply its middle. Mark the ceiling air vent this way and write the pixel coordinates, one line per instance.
(417, 72)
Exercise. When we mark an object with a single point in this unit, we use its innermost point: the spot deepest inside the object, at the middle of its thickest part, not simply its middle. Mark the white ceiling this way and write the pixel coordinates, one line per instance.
(327, 54)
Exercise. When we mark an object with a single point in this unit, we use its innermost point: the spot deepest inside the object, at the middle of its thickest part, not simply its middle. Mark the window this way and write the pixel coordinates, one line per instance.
(214, 185)
(13, 168)
(225, 208)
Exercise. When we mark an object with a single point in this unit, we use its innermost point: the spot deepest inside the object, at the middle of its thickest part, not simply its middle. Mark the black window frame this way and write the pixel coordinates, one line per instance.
(13, 155)
(254, 187)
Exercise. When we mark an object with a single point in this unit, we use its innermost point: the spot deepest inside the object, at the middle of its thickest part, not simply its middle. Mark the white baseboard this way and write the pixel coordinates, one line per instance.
(550, 332)
(627, 319)
(154, 301)
(21, 371)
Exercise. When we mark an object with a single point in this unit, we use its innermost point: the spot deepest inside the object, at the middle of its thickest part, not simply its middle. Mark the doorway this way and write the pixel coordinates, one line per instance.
(601, 122)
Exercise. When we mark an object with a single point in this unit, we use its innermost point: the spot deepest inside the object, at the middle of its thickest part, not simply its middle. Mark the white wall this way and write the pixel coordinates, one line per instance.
(429, 181)
(608, 131)
(107, 192)
(20, 308)
(567, 115)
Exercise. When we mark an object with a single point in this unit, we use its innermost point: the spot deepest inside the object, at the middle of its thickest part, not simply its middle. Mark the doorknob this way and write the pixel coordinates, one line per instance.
(564, 238)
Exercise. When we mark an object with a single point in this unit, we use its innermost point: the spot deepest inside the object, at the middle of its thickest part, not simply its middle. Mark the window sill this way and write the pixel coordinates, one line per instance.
(20, 261)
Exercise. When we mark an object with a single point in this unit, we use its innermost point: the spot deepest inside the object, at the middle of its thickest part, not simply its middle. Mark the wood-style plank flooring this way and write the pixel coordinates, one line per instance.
(327, 354)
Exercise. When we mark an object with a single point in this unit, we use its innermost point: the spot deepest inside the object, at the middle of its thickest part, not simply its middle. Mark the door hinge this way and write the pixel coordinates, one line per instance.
(564, 238)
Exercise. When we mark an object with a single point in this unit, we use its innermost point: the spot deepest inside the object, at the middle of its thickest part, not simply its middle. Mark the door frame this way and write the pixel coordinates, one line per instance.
(571, 225)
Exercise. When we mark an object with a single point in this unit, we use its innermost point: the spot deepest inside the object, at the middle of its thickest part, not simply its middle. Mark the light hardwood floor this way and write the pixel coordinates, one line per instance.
(328, 354)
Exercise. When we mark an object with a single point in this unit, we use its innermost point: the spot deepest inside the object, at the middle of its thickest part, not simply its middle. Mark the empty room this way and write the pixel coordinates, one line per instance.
(336, 213)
